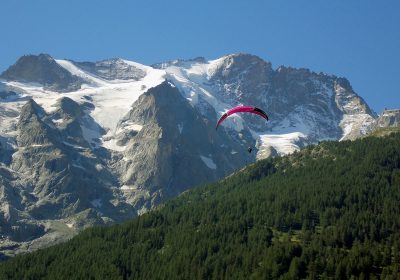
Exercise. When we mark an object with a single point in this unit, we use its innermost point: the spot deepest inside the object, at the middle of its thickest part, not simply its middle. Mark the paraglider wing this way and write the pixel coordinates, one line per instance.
(242, 109)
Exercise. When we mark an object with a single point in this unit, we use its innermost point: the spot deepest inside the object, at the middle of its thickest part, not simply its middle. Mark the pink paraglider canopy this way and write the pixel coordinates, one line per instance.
(242, 109)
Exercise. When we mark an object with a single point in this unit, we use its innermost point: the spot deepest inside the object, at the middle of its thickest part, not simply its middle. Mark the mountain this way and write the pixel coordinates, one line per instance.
(304, 107)
(173, 145)
(329, 211)
(94, 143)
(43, 70)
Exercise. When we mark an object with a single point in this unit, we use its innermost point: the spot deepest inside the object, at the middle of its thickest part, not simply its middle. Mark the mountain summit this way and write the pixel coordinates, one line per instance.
(44, 70)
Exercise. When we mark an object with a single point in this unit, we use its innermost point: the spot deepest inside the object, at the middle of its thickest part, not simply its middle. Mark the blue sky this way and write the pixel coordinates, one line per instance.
(359, 40)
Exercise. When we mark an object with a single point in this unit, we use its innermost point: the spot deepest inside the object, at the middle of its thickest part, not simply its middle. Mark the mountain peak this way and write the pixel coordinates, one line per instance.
(32, 129)
(31, 107)
(112, 69)
(179, 62)
(242, 58)
(242, 55)
(42, 69)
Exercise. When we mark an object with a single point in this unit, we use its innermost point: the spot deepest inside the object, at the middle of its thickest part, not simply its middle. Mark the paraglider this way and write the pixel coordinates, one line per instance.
(242, 109)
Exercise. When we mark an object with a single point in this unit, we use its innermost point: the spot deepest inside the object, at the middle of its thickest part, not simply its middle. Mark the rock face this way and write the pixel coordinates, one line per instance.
(134, 135)
(294, 98)
(54, 176)
(112, 69)
(61, 176)
(389, 118)
(174, 148)
(42, 69)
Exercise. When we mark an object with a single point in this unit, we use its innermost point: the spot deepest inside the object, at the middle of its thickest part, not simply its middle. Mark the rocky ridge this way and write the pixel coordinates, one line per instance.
(44, 70)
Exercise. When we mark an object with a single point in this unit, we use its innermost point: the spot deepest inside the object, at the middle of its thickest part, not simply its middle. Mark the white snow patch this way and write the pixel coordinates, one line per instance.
(129, 126)
(283, 143)
(111, 144)
(73, 69)
(90, 135)
(136, 127)
(128, 187)
(58, 121)
(142, 67)
(209, 162)
(37, 145)
(74, 146)
(99, 167)
(214, 65)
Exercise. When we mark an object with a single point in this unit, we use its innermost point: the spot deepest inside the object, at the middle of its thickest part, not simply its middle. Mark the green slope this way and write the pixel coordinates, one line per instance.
(328, 212)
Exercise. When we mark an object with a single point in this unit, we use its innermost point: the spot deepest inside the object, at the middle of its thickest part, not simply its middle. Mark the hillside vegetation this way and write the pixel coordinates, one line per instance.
(327, 212)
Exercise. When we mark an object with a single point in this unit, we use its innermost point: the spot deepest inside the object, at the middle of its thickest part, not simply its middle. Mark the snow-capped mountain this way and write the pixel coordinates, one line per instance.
(85, 143)
(44, 71)
(304, 107)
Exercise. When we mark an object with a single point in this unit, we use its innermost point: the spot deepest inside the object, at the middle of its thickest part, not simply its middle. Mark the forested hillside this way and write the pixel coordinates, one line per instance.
(330, 211)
